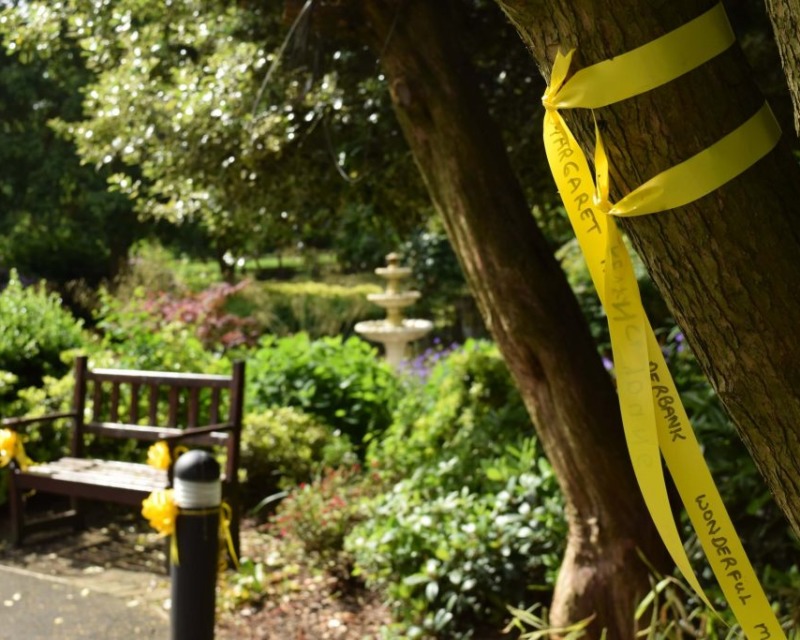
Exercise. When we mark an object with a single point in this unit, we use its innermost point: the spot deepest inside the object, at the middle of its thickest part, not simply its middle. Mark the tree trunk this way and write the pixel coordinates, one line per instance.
(785, 16)
(528, 307)
(727, 265)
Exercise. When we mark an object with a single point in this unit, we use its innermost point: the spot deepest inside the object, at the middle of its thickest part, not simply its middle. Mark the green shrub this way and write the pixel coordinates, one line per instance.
(47, 440)
(450, 562)
(151, 267)
(474, 516)
(284, 447)
(341, 382)
(466, 410)
(318, 309)
(35, 330)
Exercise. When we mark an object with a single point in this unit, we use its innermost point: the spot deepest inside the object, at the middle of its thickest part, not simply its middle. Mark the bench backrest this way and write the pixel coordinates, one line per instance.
(151, 405)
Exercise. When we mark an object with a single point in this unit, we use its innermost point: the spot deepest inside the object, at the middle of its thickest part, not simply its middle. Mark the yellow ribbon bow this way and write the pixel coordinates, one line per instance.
(11, 448)
(161, 511)
(158, 455)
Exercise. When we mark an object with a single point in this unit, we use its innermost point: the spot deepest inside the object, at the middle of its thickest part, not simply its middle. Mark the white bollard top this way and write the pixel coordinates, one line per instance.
(197, 495)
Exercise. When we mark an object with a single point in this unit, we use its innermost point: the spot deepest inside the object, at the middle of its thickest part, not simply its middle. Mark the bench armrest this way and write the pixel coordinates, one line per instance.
(15, 423)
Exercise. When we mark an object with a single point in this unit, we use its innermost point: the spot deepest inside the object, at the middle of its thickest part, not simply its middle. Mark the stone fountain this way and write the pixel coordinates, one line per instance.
(395, 332)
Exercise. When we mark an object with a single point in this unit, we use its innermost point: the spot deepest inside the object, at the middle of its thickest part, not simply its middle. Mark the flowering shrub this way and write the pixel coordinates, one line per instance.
(467, 410)
(207, 312)
(321, 513)
(421, 366)
(203, 313)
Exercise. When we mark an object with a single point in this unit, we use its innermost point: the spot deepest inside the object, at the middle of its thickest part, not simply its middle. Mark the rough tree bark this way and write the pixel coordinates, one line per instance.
(527, 305)
(785, 16)
(728, 264)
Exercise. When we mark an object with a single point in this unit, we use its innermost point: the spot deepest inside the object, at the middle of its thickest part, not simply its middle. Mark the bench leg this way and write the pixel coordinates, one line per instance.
(16, 505)
(79, 519)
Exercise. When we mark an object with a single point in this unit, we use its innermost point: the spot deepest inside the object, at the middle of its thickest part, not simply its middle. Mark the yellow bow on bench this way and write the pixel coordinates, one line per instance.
(11, 448)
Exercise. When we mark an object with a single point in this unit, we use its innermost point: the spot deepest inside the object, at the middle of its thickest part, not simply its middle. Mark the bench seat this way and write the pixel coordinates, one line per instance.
(93, 479)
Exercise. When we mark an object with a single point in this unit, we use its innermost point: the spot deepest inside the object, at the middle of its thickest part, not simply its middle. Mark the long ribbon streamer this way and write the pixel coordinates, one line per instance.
(653, 416)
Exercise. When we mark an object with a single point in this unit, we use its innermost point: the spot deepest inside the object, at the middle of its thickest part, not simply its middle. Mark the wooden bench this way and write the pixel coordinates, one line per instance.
(126, 404)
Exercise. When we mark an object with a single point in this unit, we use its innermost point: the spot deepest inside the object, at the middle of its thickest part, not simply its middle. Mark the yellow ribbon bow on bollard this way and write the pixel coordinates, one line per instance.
(161, 511)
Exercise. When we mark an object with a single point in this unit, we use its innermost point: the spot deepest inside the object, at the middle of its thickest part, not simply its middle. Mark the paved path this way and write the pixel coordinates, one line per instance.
(46, 607)
(106, 583)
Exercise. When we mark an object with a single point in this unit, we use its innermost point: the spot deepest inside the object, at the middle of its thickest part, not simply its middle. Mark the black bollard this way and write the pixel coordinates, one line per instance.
(198, 494)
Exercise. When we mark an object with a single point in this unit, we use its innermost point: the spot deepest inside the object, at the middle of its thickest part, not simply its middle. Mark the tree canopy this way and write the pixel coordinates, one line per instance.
(48, 197)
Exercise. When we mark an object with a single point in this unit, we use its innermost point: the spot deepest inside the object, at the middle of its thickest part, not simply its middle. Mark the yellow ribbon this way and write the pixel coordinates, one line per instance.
(161, 511)
(11, 448)
(600, 242)
(158, 455)
(644, 68)
(226, 539)
(653, 416)
(707, 170)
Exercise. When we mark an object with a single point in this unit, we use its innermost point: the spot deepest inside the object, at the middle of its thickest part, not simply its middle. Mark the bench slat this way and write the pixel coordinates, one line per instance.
(172, 419)
(134, 414)
(213, 415)
(160, 378)
(153, 400)
(97, 401)
(111, 473)
(114, 411)
(194, 405)
(151, 434)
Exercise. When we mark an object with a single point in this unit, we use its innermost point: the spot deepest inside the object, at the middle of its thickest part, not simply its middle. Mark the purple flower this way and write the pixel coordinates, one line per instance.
(608, 363)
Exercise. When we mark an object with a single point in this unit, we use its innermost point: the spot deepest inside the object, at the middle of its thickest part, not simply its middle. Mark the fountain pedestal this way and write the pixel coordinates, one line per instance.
(395, 332)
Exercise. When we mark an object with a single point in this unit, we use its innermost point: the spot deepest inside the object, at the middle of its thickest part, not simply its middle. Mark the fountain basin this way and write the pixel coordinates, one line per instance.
(393, 271)
(394, 337)
(394, 300)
